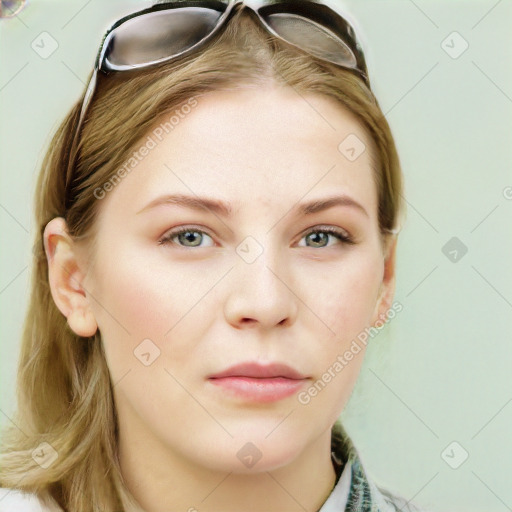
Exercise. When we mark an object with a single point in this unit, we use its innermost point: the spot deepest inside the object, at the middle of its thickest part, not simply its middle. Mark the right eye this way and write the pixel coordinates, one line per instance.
(184, 235)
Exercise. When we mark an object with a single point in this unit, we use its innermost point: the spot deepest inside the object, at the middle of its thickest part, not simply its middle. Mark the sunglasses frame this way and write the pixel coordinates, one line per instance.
(312, 10)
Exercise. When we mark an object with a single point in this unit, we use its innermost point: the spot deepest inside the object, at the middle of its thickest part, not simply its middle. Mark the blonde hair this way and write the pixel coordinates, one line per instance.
(64, 390)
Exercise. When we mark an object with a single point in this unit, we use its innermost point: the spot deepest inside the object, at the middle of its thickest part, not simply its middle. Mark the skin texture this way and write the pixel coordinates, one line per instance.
(301, 301)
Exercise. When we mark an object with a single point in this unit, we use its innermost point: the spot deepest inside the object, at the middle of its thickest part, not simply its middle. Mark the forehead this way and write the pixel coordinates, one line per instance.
(254, 146)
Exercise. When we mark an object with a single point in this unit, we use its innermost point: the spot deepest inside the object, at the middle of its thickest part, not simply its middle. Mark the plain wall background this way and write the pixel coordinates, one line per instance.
(440, 371)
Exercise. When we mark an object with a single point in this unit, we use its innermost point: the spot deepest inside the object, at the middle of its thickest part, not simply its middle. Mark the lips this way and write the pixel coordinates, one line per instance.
(254, 382)
(259, 371)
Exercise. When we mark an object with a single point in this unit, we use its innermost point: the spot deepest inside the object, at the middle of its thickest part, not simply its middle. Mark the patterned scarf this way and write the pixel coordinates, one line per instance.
(364, 494)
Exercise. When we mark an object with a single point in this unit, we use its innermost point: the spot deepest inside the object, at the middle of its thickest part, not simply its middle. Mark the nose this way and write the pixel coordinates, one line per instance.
(261, 294)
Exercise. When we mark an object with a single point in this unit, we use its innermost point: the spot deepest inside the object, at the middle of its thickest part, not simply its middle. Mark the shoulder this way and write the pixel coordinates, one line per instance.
(14, 500)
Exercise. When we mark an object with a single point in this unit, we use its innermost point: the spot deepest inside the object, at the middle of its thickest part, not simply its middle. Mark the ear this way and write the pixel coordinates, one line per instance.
(66, 278)
(387, 286)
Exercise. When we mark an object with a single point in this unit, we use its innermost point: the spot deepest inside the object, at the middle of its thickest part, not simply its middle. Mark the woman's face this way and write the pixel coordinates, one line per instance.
(251, 286)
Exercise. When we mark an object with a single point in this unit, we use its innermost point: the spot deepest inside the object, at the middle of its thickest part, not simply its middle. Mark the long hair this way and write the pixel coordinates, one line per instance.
(66, 415)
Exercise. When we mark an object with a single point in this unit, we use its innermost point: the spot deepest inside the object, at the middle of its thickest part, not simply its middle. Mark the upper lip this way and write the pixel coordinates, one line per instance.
(260, 371)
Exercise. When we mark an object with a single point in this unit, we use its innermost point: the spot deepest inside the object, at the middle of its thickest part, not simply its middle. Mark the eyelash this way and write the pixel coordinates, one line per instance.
(340, 235)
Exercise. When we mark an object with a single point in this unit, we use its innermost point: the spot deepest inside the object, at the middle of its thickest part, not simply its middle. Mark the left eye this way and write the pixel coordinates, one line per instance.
(327, 232)
(189, 235)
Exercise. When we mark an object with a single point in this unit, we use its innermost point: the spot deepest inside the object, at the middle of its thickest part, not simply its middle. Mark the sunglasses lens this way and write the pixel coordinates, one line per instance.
(312, 37)
(158, 35)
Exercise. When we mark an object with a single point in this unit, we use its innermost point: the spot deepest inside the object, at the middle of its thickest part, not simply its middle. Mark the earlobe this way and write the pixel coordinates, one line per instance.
(66, 278)
(387, 286)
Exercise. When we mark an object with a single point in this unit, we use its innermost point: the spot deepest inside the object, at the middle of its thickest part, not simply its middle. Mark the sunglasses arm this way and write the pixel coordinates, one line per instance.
(85, 105)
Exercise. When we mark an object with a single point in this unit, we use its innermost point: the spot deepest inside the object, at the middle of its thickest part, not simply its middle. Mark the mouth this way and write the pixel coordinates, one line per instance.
(259, 383)
(260, 371)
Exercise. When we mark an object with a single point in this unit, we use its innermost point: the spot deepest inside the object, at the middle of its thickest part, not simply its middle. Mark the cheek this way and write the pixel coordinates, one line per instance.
(140, 296)
(346, 307)
(347, 299)
(133, 302)
(134, 296)
(144, 293)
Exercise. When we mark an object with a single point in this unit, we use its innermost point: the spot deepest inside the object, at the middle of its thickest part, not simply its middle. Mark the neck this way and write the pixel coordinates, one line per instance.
(160, 480)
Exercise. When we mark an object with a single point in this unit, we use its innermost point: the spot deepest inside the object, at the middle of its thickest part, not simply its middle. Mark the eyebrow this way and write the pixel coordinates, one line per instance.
(225, 209)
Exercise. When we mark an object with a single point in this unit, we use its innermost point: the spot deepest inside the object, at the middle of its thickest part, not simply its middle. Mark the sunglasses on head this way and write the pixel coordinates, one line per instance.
(167, 31)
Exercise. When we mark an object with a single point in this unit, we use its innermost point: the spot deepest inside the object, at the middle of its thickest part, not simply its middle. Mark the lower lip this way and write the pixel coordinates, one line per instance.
(259, 390)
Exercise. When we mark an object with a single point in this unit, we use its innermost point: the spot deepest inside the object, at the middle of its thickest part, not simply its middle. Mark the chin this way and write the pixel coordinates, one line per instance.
(247, 454)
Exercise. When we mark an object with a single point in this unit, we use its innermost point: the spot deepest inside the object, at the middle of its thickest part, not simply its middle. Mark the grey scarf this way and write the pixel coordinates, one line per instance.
(364, 495)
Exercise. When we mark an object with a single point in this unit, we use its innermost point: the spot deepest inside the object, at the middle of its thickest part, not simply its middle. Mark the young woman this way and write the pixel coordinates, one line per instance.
(217, 227)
